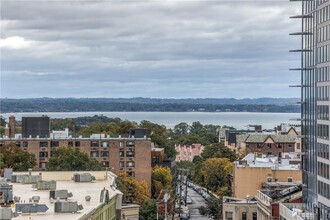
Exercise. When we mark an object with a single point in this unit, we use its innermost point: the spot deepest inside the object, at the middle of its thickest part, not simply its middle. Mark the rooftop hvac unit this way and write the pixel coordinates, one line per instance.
(6, 193)
(6, 214)
(67, 207)
(83, 177)
(59, 194)
(25, 179)
(45, 185)
(30, 208)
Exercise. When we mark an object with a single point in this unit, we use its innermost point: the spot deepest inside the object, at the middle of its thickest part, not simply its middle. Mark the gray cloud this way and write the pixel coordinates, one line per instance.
(148, 48)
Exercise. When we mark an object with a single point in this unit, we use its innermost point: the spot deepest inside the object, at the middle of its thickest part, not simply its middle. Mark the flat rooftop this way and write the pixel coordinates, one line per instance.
(63, 181)
(268, 161)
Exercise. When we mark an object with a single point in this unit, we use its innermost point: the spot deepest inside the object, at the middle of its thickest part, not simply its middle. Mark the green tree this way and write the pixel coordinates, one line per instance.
(69, 158)
(148, 210)
(14, 157)
(181, 129)
(218, 150)
(212, 209)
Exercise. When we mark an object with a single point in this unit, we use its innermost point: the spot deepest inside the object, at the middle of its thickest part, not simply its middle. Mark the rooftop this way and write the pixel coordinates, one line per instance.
(63, 181)
(278, 138)
(273, 162)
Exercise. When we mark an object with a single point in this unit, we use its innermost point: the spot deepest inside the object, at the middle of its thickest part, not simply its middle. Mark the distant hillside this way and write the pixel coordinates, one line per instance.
(149, 104)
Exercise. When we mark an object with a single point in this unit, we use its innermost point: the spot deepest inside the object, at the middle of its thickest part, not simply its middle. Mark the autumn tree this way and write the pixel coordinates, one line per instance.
(161, 180)
(69, 158)
(134, 191)
(216, 174)
(14, 157)
(212, 208)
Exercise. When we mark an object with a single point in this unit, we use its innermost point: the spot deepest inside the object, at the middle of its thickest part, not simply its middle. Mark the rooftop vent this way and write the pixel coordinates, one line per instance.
(6, 213)
(30, 208)
(67, 207)
(83, 177)
(45, 185)
(59, 194)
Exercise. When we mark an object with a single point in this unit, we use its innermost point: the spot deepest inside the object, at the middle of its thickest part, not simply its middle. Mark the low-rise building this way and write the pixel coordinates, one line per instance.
(269, 199)
(188, 152)
(297, 211)
(97, 198)
(236, 208)
(252, 171)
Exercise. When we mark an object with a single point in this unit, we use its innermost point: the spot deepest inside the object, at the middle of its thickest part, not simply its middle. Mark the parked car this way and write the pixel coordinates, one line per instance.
(189, 201)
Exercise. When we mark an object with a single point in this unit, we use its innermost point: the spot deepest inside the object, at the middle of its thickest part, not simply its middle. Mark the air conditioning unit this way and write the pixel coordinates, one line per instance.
(59, 194)
(83, 177)
(45, 185)
(67, 207)
(30, 208)
(6, 213)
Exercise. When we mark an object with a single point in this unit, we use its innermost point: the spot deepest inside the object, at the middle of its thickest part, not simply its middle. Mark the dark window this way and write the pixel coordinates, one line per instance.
(269, 145)
(121, 153)
(104, 154)
(54, 144)
(254, 216)
(25, 144)
(279, 145)
(43, 154)
(132, 174)
(70, 144)
(243, 215)
(121, 164)
(77, 144)
(105, 163)
(2, 143)
(18, 144)
(290, 145)
(43, 144)
(94, 144)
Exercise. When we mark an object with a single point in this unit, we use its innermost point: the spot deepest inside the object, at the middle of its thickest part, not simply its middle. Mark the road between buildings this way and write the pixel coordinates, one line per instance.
(197, 201)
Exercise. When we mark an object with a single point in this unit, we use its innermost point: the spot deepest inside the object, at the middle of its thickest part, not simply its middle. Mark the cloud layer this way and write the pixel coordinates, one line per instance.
(148, 48)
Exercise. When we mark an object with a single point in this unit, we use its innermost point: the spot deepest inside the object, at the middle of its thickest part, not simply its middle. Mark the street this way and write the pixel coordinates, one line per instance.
(197, 201)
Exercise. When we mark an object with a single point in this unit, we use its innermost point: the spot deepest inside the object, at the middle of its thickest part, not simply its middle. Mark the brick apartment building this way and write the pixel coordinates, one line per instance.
(132, 155)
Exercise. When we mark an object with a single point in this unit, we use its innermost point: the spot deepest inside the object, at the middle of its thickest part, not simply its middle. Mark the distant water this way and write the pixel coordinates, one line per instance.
(239, 120)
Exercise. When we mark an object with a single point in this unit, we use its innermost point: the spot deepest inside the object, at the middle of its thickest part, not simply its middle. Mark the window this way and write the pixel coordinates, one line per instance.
(229, 216)
(290, 145)
(43, 144)
(94, 144)
(121, 164)
(105, 163)
(279, 145)
(25, 144)
(42, 165)
(105, 144)
(130, 144)
(290, 179)
(131, 174)
(254, 216)
(43, 154)
(77, 144)
(298, 145)
(70, 144)
(130, 164)
(104, 154)
(121, 144)
(269, 179)
(18, 144)
(94, 154)
(2, 143)
(130, 154)
(54, 144)
(243, 215)
(121, 153)
(269, 145)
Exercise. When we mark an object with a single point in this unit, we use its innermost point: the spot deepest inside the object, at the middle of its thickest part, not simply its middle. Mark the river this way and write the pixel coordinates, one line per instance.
(239, 120)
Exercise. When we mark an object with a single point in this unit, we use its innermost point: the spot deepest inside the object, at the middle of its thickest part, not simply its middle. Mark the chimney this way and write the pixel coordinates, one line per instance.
(11, 126)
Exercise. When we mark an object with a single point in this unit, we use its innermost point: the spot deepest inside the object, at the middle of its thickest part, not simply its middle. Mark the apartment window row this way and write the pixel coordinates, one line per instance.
(323, 112)
(323, 131)
(323, 150)
(323, 33)
(323, 74)
(323, 170)
(323, 14)
(99, 154)
(128, 154)
(97, 144)
(129, 164)
(323, 189)
(323, 93)
(323, 54)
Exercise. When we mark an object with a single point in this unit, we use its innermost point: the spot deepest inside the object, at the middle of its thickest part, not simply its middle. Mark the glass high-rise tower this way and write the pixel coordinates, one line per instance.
(315, 64)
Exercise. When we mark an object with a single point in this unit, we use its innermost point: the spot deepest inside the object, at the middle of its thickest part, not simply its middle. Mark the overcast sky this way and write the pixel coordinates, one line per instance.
(156, 48)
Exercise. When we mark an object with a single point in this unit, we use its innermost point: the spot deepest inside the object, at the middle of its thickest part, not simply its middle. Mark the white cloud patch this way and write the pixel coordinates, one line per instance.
(15, 42)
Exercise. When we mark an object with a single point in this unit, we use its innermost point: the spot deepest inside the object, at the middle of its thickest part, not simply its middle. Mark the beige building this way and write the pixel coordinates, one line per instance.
(251, 172)
(235, 208)
(105, 200)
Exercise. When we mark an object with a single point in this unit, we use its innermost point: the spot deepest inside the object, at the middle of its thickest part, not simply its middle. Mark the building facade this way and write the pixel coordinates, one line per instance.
(251, 172)
(315, 57)
(188, 152)
(131, 155)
